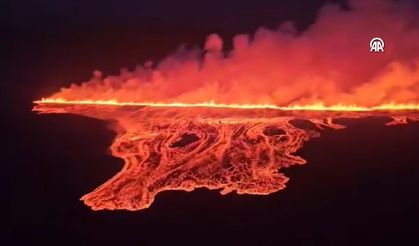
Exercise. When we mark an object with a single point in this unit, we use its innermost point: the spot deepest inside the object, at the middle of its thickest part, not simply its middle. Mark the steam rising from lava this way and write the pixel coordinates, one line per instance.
(329, 62)
(171, 138)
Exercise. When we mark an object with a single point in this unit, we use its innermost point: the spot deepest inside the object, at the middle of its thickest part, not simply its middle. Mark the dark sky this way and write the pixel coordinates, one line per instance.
(265, 12)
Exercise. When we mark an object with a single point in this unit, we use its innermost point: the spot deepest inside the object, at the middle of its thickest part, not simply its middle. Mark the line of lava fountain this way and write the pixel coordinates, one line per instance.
(309, 107)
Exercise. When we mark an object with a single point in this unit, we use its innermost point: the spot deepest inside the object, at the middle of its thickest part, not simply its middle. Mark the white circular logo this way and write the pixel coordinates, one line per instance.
(377, 45)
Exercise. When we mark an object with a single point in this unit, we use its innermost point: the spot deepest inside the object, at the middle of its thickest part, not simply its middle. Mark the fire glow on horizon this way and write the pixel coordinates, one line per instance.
(211, 104)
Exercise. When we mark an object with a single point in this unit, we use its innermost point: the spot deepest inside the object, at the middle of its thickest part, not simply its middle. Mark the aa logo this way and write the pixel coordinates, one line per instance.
(376, 45)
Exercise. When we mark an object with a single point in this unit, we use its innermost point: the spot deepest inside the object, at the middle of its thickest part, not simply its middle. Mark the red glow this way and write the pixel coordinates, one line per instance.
(184, 148)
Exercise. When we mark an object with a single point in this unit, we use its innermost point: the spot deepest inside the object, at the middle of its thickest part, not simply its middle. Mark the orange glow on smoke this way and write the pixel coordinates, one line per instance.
(212, 104)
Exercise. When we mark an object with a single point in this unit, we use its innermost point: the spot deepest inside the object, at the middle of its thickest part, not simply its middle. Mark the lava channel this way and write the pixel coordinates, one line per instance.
(184, 148)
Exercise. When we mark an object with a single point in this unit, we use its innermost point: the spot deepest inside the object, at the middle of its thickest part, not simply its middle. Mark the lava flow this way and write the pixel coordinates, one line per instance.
(238, 149)
(231, 120)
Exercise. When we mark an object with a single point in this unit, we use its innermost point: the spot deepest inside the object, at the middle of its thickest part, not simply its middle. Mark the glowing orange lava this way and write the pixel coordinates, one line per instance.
(174, 146)
(309, 107)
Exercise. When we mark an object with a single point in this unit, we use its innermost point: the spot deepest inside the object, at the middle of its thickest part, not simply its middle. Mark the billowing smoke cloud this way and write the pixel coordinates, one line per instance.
(329, 62)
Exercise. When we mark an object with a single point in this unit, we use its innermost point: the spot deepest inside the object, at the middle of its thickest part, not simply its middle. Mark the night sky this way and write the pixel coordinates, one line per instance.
(360, 184)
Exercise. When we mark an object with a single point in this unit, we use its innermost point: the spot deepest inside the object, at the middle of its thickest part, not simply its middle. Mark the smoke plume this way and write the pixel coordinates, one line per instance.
(329, 62)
